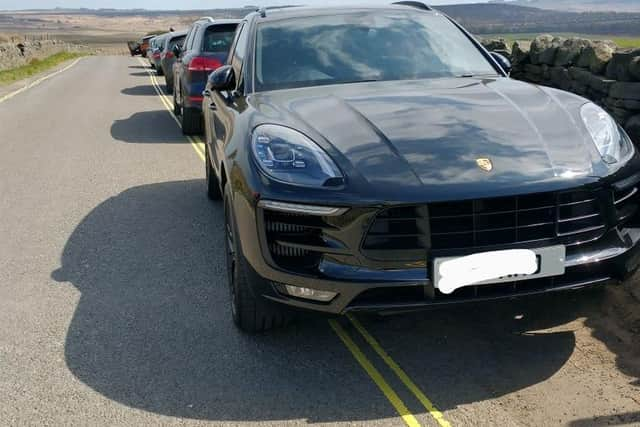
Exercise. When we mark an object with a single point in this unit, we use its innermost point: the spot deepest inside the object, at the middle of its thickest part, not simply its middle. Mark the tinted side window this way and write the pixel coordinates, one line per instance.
(234, 44)
(174, 42)
(186, 39)
(240, 50)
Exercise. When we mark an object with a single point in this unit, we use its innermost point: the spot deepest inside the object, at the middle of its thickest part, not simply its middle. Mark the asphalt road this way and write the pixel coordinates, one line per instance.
(113, 300)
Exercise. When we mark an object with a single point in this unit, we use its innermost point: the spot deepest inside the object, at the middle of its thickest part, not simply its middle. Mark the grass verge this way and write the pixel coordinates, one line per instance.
(36, 66)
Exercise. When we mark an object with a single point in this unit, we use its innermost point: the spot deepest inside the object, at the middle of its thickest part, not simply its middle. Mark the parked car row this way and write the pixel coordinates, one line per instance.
(204, 49)
(141, 46)
(380, 159)
(185, 59)
(168, 56)
(153, 52)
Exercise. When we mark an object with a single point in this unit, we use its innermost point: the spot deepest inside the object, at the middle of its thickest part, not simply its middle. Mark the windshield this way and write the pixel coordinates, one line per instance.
(363, 46)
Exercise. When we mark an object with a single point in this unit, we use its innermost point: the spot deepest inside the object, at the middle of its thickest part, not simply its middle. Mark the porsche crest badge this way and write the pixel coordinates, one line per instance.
(484, 164)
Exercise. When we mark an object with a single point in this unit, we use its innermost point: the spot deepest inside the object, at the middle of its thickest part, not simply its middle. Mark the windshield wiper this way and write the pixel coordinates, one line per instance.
(469, 75)
(358, 81)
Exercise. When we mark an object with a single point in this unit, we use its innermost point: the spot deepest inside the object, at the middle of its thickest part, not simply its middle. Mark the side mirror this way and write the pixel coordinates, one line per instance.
(503, 61)
(222, 78)
(176, 50)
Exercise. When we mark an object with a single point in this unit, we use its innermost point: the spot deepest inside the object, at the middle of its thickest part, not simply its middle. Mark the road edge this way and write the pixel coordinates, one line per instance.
(10, 91)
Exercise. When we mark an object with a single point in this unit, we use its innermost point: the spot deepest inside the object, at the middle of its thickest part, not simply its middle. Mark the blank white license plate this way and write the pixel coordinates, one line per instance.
(486, 268)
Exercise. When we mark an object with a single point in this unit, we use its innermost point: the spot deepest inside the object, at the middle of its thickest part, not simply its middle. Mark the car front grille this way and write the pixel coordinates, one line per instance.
(397, 233)
(516, 219)
(564, 217)
(409, 236)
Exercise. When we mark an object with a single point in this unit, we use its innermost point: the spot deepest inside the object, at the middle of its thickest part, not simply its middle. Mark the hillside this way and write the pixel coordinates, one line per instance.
(510, 18)
(109, 26)
(580, 5)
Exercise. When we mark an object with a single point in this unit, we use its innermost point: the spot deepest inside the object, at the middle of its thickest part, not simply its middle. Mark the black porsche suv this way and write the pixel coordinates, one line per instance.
(379, 158)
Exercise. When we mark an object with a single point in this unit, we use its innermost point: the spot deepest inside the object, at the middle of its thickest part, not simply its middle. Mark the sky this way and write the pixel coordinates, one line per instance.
(185, 4)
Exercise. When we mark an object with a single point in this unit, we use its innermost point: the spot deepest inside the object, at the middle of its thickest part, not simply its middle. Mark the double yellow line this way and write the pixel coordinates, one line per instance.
(196, 141)
(401, 374)
(375, 375)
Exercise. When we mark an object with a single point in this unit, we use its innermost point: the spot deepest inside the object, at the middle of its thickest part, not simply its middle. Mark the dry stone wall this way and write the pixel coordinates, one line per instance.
(15, 54)
(597, 70)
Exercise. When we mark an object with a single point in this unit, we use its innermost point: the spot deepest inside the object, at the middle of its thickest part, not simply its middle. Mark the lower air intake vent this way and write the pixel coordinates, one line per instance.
(288, 235)
(626, 203)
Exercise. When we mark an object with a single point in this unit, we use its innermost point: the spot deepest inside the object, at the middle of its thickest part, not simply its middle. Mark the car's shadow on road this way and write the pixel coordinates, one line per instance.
(152, 329)
(154, 126)
(140, 90)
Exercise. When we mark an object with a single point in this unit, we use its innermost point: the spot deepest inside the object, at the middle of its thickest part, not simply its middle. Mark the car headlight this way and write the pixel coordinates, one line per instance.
(612, 145)
(289, 156)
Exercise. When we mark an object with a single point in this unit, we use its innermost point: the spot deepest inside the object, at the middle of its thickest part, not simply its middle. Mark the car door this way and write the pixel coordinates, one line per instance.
(228, 104)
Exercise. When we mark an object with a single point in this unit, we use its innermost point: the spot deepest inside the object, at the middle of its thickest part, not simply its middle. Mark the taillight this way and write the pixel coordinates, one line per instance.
(201, 63)
(168, 54)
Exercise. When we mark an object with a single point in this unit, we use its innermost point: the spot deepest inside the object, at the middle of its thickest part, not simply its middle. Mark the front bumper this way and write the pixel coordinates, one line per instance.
(609, 259)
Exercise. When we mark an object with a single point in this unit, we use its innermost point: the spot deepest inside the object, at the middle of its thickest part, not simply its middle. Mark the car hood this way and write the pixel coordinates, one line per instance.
(425, 137)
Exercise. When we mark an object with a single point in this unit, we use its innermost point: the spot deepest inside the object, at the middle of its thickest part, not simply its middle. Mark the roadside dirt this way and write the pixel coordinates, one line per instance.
(602, 375)
(620, 318)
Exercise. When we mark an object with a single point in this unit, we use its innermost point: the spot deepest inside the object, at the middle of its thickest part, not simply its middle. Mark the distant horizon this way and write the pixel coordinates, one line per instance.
(167, 5)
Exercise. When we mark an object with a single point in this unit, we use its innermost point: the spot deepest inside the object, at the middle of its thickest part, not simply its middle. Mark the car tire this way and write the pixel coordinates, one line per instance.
(251, 313)
(169, 87)
(213, 185)
(191, 121)
(159, 71)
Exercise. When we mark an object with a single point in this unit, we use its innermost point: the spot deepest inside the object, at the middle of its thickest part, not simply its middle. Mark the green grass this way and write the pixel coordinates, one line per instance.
(36, 66)
(620, 41)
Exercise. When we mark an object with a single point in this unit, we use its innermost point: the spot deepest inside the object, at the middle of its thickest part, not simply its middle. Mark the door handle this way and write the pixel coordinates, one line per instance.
(212, 106)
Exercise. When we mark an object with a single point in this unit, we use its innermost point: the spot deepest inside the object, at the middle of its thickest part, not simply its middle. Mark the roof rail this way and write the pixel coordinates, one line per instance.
(205, 18)
(262, 11)
(416, 4)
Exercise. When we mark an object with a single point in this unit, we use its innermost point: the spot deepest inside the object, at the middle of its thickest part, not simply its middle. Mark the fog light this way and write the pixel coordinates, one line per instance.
(307, 293)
